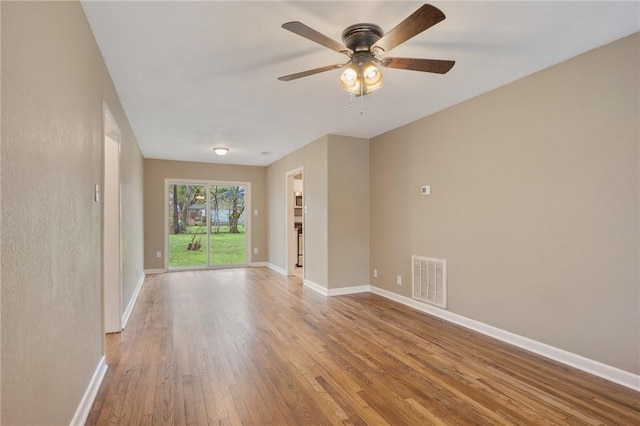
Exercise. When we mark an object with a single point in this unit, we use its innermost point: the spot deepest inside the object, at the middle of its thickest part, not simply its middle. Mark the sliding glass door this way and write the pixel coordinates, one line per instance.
(207, 226)
(187, 229)
(227, 230)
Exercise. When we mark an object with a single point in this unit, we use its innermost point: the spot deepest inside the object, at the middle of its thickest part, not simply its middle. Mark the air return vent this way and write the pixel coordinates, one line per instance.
(430, 280)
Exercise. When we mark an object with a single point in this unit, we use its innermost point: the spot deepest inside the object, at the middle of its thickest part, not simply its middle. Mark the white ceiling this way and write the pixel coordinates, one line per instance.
(194, 75)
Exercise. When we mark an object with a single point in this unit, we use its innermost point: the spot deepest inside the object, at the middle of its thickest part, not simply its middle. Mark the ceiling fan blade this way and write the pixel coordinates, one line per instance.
(425, 17)
(437, 66)
(309, 72)
(313, 35)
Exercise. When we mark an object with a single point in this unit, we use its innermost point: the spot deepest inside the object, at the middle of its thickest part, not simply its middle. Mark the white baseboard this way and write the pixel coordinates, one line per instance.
(258, 264)
(83, 410)
(276, 268)
(127, 312)
(315, 287)
(348, 290)
(596, 368)
(154, 271)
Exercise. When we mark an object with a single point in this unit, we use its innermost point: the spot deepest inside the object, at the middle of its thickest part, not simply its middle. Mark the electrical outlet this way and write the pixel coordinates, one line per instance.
(375, 273)
(399, 279)
(255, 250)
(158, 254)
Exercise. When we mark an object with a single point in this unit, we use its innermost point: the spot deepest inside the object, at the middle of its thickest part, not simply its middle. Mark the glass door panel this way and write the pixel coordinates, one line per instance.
(227, 225)
(187, 226)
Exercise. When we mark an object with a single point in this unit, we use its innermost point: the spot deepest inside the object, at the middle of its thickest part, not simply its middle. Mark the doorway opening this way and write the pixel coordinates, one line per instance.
(207, 225)
(295, 207)
(111, 219)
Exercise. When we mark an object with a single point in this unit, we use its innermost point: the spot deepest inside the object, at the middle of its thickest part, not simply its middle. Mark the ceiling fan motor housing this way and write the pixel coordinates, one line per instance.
(360, 37)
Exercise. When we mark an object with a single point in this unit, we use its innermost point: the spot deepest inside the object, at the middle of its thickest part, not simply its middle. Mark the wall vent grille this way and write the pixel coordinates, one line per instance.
(430, 280)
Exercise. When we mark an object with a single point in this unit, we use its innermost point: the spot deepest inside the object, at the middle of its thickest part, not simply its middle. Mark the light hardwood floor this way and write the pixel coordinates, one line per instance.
(248, 346)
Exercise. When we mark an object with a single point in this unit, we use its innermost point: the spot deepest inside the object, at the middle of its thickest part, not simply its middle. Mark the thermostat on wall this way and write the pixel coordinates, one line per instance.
(425, 190)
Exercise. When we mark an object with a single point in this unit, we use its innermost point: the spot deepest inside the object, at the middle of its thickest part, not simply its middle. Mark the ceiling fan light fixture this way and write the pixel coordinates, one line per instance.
(362, 78)
(221, 151)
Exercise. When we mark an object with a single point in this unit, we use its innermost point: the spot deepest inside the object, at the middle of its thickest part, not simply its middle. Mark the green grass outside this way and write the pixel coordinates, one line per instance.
(226, 248)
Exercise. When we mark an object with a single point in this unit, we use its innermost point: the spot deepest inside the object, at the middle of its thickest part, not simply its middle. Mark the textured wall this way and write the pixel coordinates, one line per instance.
(131, 197)
(313, 158)
(51, 127)
(155, 173)
(348, 211)
(53, 85)
(535, 204)
(336, 193)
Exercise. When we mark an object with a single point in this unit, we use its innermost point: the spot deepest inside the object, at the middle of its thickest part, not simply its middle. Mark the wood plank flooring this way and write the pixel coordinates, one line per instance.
(248, 346)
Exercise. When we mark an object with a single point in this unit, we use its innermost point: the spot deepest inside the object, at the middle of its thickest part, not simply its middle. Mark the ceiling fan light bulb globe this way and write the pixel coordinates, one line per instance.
(373, 87)
(372, 75)
(349, 79)
(349, 76)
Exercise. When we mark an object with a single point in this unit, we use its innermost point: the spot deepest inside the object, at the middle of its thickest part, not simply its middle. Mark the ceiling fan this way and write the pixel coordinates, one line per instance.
(363, 43)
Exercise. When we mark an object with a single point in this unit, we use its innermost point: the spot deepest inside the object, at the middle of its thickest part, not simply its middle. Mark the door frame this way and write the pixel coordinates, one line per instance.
(290, 234)
(111, 226)
(208, 183)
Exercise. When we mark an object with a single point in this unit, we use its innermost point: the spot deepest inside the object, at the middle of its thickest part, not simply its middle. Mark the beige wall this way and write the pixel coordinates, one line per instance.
(131, 197)
(155, 173)
(535, 204)
(54, 82)
(348, 211)
(336, 193)
(313, 157)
